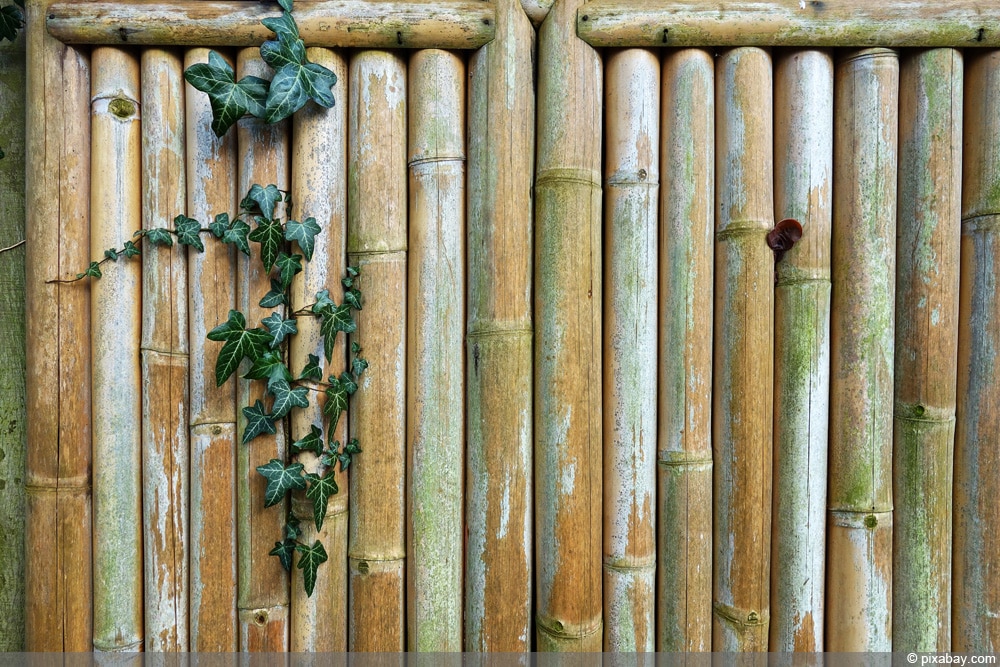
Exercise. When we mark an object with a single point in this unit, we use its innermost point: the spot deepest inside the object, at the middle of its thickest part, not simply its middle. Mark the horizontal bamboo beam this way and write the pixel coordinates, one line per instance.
(445, 24)
(789, 23)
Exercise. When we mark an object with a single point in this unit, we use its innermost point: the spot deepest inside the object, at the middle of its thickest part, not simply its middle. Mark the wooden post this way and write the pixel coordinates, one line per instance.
(859, 541)
(687, 205)
(568, 301)
(803, 183)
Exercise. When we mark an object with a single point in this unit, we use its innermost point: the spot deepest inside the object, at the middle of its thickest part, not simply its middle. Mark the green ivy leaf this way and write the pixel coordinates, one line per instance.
(288, 49)
(230, 99)
(11, 20)
(231, 327)
(269, 235)
(284, 550)
(239, 343)
(269, 366)
(324, 304)
(311, 442)
(292, 529)
(355, 347)
(286, 5)
(352, 447)
(275, 297)
(111, 254)
(304, 233)
(286, 398)
(188, 232)
(319, 491)
(264, 198)
(312, 370)
(345, 461)
(279, 328)
(160, 236)
(352, 273)
(336, 402)
(352, 297)
(219, 225)
(237, 234)
(350, 386)
(288, 266)
(283, 25)
(310, 558)
(339, 319)
(93, 271)
(288, 93)
(130, 249)
(280, 480)
(258, 422)
(359, 366)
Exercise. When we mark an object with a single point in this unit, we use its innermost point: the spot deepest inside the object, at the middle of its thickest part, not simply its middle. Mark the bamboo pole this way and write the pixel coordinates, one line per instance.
(453, 24)
(435, 414)
(744, 318)
(859, 538)
(164, 355)
(568, 446)
(803, 181)
(263, 597)
(211, 189)
(115, 213)
(789, 23)
(631, 181)
(319, 190)
(498, 562)
(684, 503)
(976, 585)
(58, 520)
(376, 240)
(927, 279)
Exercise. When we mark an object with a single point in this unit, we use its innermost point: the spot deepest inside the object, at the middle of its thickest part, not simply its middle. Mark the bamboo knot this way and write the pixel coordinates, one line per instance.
(741, 618)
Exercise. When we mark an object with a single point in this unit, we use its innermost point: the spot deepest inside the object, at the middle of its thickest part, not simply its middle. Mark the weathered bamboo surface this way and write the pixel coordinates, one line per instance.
(451, 24)
(684, 440)
(803, 184)
(319, 190)
(789, 23)
(859, 541)
(631, 198)
(376, 241)
(263, 593)
(976, 583)
(928, 238)
(211, 189)
(58, 539)
(501, 151)
(435, 405)
(567, 308)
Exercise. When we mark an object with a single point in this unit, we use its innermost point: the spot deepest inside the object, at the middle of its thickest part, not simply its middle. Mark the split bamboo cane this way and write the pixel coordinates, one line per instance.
(568, 301)
(743, 374)
(58, 539)
(976, 581)
(263, 596)
(498, 561)
(164, 356)
(687, 204)
(435, 406)
(631, 182)
(803, 180)
(211, 189)
(928, 241)
(319, 190)
(115, 213)
(376, 240)
(859, 538)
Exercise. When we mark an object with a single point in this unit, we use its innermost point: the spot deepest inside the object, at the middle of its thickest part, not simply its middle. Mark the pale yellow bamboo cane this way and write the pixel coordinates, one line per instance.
(803, 180)
(859, 538)
(435, 414)
(58, 556)
(568, 449)
(631, 182)
(976, 592)
(115, 212)
(927, 283)
(319, 190)
(263, 595)
(744, 318)
(211, 189)
(687, 204)
(498, 561)
(376, 240)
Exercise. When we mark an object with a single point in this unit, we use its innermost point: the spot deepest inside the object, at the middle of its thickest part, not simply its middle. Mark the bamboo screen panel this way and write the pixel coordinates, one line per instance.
(599, 415)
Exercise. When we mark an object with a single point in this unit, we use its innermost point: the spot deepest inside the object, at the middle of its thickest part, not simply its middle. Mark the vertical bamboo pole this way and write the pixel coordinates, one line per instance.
(498, 560)
(976, 581)
(744, 317)
(927, 280)
(263, 595)
(568, 447)
(632, 181)
(211, 189)
(164, 355)
(58, 557)
(687, 204)
(319, 190)
(376, 240)
(859, 539)
(435, 414)
(803, 180)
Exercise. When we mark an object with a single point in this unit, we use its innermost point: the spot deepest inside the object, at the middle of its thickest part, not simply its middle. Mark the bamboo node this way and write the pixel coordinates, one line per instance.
(121, 108)
(871, 521)
(260, 617)
(741, 618)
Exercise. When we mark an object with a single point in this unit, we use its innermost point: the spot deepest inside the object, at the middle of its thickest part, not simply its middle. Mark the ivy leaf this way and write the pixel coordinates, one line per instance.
(275, 297)
(220, 225)
(292, 530)
(286, 398)
(311, 442)
(319, 491)
(264, 198)
(345, 461)
(355, 347)
(11, 20)
(312, 371)
(352, 273)
(160, 236)
(239, 343)
(231, 327)
(352, 298)
(269, 235)
(230, 99)
(284, 550)
(130, 249)
(280, 480)
(304, 233)
(288, 266)
(318, 81)
(336, 402)
(237, 235)
(339, 319)
(288, 93)
(287, 49)
(283, 25)
(279, 328)
(310, 558)
(188, 232)
(93, 271)
(350, 386)
(286, 5)
(111, 254)
(324, 304)
(258, 422)
(352, 447)
(342, 319)
(270, 367)
(359, 366)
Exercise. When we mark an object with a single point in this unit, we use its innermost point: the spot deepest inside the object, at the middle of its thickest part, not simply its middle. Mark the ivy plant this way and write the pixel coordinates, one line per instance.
(11, 20)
